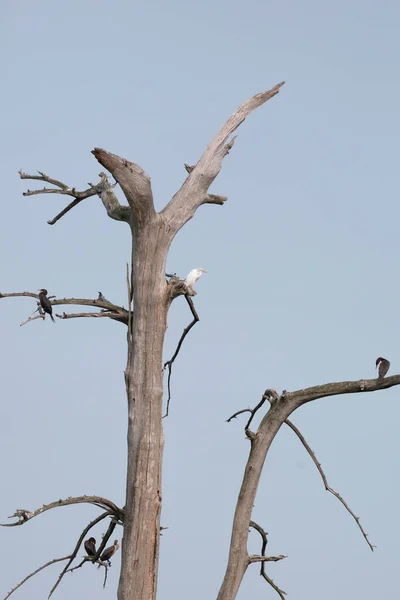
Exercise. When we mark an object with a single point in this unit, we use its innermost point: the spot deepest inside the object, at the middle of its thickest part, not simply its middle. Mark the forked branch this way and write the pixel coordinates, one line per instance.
(135, 183)
(281, 408)
(113, 311)
(103, 189)
(263, 574)
(194, 191)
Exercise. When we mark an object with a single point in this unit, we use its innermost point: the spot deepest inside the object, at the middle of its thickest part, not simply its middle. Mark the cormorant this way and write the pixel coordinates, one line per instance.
(109, 552)
(90, 546)
(193, 276)
(384, 366)
(45, 303)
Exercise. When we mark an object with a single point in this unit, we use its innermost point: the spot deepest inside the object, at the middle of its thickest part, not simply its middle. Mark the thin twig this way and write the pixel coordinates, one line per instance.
(32, 319)
(324, 479)
(264, 538)
(51, 562)
(270, 395)
(184, 334)
(76, 549)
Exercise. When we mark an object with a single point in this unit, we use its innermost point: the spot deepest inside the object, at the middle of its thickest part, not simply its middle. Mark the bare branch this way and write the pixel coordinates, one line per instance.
(263, 559)
(280, 592)
(103, 189)
(115, 312)
(324, 479)
(76, 549)
(111, 315)
(51, 562)
(264, 538)
(300, 397)
(135, 183)
(170, 362)
(24, 515)
(194, 190)
(214, 199)
(270, 395)
(32, 319)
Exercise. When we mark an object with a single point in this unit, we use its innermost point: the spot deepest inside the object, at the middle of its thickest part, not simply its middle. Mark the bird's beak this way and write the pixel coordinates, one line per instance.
(204, 271)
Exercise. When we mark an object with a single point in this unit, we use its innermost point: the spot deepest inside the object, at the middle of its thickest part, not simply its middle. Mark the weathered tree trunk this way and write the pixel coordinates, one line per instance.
(144, 379)
(239, 559)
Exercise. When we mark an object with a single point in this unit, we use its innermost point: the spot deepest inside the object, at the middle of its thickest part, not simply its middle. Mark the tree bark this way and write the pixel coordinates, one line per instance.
(239, 559)
(144, 378)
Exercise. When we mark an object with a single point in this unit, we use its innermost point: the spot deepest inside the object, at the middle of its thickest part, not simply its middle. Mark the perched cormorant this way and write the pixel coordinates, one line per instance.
(384, 366)
(90, 546)
(109, 552)
(45, 303)
(193, 276)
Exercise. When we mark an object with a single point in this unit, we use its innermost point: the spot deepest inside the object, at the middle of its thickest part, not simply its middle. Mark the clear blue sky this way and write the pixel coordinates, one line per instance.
(302, 285)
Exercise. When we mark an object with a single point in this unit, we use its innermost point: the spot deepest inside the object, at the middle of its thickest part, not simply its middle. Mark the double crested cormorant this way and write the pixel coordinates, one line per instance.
(193, 277)
(384, 366)
(109, 552)
(45, 303)
(90, 546)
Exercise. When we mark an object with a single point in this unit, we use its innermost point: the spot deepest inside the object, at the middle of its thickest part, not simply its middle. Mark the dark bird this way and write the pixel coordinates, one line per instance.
(45, 303)
(90, 546)
(109, 552)
(384, 366)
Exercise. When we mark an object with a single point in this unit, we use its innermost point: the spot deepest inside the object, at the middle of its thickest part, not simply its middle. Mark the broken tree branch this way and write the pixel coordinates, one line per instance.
(194, 191)
(170, 362)
(51, 562)
(135, 183)
(103, 189)
(324, 479)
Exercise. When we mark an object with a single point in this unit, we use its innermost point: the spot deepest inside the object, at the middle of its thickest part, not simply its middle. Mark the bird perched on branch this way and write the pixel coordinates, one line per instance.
(193, 277)
(109, 552)
(90, 546)
(384, 366)
(45, 303)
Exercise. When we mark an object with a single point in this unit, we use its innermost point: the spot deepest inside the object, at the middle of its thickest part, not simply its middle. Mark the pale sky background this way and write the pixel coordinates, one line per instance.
(302, 285)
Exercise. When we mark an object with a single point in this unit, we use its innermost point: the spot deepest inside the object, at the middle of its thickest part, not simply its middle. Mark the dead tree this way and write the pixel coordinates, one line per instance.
(150, 295)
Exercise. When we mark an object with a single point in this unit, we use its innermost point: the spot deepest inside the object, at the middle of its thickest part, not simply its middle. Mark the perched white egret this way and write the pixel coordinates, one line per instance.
(193, 276)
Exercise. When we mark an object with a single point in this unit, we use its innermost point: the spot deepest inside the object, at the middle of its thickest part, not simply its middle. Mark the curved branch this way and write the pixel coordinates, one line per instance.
(300, 397)
(24, 515)
(194, 191)
(280, 410)
(135, 183)
(51, 562)
(170, 362)
(264, 538)
(324, 479)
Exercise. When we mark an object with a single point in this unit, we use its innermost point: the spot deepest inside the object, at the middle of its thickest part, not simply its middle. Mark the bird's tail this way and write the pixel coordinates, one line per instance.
(380, 379)
(52, 318)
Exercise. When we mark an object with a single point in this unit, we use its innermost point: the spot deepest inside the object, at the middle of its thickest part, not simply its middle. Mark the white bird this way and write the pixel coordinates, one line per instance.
(193, 277)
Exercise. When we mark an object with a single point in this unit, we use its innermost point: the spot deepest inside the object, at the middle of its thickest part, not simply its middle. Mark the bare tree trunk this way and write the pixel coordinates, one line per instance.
(152, 234)
(145, 434)
(239, 559)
